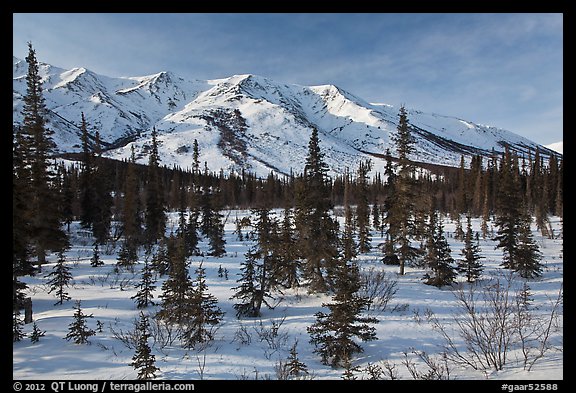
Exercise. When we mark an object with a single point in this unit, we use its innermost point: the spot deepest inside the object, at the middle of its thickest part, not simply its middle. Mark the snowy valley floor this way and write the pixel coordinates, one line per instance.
(239, 351)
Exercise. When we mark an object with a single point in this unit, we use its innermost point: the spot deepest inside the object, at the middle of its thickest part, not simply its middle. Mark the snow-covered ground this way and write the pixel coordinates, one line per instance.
(238, 352)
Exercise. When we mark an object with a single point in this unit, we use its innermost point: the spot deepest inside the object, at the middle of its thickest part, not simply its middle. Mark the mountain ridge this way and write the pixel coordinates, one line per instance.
(246, 122)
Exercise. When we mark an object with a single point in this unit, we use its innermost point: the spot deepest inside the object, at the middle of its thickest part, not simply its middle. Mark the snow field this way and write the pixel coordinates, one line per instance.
(246, 349)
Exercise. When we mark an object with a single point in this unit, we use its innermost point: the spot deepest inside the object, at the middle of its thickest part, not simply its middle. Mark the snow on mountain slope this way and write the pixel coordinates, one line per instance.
(246, 121)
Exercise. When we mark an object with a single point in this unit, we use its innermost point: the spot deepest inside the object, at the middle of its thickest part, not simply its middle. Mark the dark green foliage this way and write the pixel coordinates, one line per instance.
(509, 209)
(33, 151)
(176, 289)
(205, 313)
(131, 211)
(95, 193)
(333, 333)
(127, 256)
(438, 259)
(527, 254)
(362, 207)
(251, 292)
(78, 330)
(144, 295)
(61, 277)
(17, 326)
(36, 334)
(95, 261)
(289, 265)
(316, 229)
(144, 360)
(400, 203)
(212, 225)
(155, 211)
(470, 266)
(349, 246)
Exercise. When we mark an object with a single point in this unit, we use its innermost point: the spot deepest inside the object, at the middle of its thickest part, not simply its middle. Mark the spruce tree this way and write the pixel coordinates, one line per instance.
(527, 253)
(349, 246)
(509, 210)
(333, 333)
(205, 313)
(161, 262)
(289, 264)
(144, 360)
(37, 147)
(17, 326)
(400, 211)
(103, 201)
(470, 266)
(144, 295)
(78, 329)
(294, 368)
(131, 212)
(87, 202)
(212, 222)
(438, 260)
(61, 277)
(317, 230)
(362, 208)
(155, 212)
(175, 307)
(252, 291)
(21, 195)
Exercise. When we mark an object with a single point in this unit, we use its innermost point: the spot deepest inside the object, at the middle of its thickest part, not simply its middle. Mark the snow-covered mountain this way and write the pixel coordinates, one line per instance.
(245, 121)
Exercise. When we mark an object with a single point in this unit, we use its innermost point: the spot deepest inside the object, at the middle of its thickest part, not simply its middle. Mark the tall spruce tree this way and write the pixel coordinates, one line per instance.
(317, 230)
(87, 202)
(363, 208)
(131, 212)
(508, 209)
(349, 246)
(155, 211)
(400, 217)
(333, 333)
(36, 148)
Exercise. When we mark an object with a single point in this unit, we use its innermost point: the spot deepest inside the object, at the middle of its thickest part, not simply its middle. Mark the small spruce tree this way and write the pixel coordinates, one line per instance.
(146, 287)
(205, 314)
(61, 277)
(36, 334)
(144, 360)
(333, 333)
(95, 261)
(294, 367)
(78, 330)
(470, 265)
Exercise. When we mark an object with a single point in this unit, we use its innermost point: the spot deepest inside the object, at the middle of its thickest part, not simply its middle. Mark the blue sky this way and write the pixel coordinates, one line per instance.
(504, 70)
